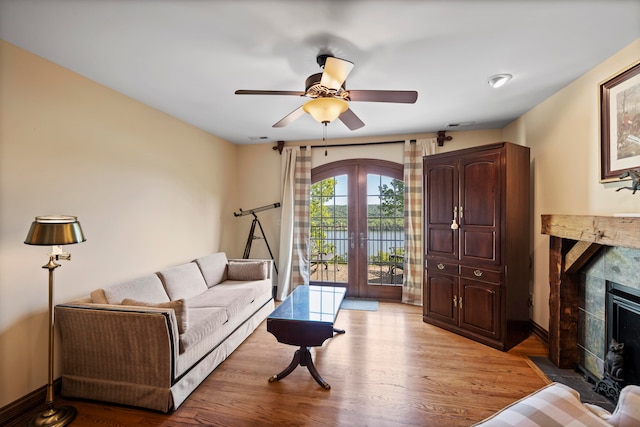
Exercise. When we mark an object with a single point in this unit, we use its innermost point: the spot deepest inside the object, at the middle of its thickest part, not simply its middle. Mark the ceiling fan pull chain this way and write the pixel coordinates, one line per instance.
(324, 138)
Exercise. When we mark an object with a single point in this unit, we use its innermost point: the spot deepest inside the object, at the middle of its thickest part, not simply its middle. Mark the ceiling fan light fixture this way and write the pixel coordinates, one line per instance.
(499, 80)
(325, 110)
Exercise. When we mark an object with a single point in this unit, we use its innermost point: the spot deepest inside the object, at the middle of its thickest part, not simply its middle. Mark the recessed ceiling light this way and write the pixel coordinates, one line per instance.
(457, 124)
(499, 80)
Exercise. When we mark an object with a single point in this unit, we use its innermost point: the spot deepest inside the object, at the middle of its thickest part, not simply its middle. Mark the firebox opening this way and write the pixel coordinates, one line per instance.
(623, 325)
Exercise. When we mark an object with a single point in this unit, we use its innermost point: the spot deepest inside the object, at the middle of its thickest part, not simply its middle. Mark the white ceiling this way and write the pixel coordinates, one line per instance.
(187, 57)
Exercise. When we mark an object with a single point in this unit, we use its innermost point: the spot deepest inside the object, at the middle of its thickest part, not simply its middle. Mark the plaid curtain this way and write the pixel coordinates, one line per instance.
(413, 268)
(301, 227)
(293, 265)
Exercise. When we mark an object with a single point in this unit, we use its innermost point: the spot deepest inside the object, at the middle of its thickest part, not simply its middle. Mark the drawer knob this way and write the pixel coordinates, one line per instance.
(440, 266)
(477, 273)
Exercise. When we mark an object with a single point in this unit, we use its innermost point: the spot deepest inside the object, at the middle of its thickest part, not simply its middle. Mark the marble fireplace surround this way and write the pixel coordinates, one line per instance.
(573, 242)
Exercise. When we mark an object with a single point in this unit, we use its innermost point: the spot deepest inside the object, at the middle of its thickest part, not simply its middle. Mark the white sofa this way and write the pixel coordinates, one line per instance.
(151, 341)
(557, 405)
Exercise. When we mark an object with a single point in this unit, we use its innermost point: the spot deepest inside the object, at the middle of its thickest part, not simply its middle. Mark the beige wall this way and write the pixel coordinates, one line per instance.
(149, 191)
(563, 134)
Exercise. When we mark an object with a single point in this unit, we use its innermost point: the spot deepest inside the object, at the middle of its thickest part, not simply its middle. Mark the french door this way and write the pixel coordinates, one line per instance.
(357, 227)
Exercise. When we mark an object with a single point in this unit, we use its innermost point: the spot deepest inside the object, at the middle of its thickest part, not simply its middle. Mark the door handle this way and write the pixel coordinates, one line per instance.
(352, 241)
(363, 238)
(457, 302)
(454, 224)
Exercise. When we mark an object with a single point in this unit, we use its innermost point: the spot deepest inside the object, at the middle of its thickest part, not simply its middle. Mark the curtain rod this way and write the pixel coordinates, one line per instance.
(442, 137)
(280, 145)
(353, 144)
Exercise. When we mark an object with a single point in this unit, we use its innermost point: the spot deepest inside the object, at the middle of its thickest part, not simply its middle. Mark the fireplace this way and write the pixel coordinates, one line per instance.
(608, 249)
(609, 310)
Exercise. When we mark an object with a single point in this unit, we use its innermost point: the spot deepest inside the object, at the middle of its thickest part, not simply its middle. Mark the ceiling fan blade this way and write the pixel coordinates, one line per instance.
(269, 92)
(335, 72)
(401, 96)
(294, 115)
(350, 119)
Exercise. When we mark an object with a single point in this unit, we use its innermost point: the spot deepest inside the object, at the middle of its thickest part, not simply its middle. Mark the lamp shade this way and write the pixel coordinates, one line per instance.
(325, 110)
(55, 230)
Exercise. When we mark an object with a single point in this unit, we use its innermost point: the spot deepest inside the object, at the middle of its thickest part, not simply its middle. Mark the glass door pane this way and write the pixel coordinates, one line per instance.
(328, 217)
(385, 230)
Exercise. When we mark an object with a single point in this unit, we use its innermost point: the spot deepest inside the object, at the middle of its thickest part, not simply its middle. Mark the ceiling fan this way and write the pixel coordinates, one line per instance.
(329, 95)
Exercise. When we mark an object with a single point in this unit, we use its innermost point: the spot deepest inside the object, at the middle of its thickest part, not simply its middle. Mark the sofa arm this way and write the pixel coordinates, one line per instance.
(122, 344)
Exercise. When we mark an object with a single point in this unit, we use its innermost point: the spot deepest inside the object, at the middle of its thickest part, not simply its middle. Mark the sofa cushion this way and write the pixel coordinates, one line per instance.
(232, 300)
(554, 405)
(146, 288)
(179, 307)
(183, 281)
(213, 268)
(204, 321)
(247, 270)
(262, 290)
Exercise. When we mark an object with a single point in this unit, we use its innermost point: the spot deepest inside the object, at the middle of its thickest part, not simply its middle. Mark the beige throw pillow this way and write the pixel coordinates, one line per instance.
(179, 306)
(99, 297)
(247, 270)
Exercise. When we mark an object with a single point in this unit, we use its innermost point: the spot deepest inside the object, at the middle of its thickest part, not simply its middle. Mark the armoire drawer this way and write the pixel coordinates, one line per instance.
(442, 267)
(479, 273)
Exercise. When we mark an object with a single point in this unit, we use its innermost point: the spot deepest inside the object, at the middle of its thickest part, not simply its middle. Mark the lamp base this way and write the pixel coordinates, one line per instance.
(57, 417)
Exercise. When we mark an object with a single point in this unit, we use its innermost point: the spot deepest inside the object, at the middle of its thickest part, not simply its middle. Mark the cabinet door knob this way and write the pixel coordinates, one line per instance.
(440, 266)
(477, 273)
(455, 301)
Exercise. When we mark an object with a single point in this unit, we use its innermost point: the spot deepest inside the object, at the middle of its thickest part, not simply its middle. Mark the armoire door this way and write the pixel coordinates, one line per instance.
(479, 208)
(440, 291)
(479, 305)
(441, 209)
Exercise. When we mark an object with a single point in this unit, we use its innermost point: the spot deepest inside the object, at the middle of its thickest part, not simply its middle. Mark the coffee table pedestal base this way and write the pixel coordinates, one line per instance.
(302, 357)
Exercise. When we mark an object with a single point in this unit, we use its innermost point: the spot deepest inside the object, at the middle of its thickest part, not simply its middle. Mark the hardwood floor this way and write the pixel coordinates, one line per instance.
(389, 369)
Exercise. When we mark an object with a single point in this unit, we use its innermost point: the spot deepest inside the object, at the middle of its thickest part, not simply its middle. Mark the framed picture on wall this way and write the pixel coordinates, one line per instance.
(620, 123)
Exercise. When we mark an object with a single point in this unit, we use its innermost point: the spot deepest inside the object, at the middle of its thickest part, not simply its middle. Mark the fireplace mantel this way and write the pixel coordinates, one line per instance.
(574, 239)
(604, 230)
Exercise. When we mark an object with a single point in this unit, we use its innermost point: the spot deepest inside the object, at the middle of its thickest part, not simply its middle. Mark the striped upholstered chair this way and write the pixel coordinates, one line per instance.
(557, 405)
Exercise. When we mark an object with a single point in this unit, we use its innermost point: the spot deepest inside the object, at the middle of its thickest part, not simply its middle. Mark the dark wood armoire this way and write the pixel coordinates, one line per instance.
(477, 231)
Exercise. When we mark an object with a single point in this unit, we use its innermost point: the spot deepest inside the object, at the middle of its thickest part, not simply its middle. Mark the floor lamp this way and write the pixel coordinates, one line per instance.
(54, 230)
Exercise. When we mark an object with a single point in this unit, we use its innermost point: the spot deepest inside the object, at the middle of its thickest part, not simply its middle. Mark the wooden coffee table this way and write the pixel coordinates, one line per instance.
(305, 319)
